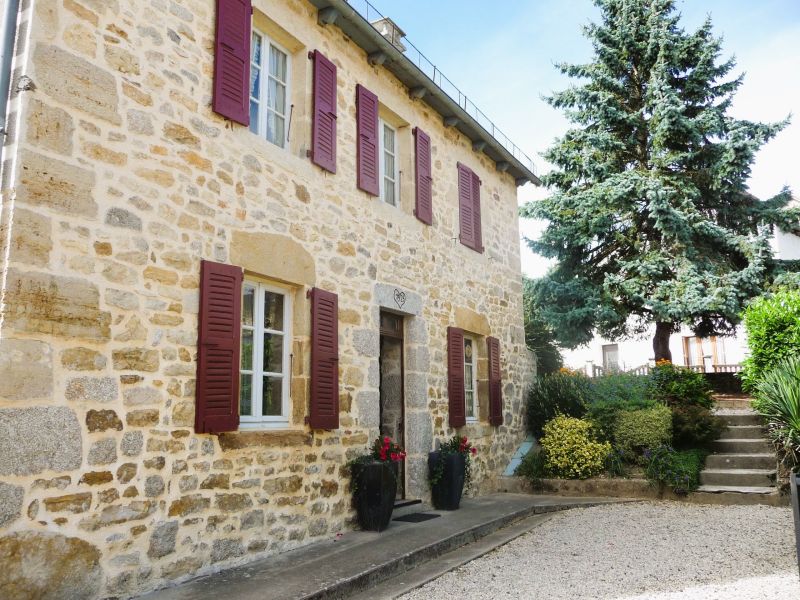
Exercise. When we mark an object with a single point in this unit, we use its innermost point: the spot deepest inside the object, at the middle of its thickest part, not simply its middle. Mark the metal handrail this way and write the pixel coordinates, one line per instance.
(412, 53)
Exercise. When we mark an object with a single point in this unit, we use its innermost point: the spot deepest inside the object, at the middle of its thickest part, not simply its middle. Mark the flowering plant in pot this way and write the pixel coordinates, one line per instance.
(450, 471)
(374, 483)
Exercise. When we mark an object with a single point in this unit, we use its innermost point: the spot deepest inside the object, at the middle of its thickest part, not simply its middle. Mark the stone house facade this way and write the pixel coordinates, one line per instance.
(236, 248)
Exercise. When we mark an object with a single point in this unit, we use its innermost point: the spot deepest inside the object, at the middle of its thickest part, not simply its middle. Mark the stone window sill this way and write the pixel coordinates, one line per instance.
(264, 438)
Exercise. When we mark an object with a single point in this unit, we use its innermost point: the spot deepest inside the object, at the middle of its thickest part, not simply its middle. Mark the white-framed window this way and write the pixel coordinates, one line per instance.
(269, 89)
(389, 174)
(470, 379)
(265, 369)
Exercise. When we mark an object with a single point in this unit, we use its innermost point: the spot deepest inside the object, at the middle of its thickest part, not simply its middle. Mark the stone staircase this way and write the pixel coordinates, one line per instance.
(743, 462)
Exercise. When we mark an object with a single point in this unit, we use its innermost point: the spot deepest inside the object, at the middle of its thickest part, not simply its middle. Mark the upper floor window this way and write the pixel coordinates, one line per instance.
(470, 380)
(389, 172)
(265, 356)
(269, 89)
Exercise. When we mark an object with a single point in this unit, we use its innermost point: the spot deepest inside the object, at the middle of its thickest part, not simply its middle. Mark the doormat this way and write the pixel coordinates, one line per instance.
(417, 517)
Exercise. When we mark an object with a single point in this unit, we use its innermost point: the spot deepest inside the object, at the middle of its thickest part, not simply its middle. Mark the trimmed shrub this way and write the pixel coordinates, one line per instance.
(777, 399)
(557, 393)
(532, 465)
(695, 427)
(679, 471)
(676, 386)
(639, 430)
(570, 451)
(604, 413)
(773, 332)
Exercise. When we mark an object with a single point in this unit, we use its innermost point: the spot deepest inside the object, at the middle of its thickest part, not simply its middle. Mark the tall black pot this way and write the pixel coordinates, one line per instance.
(376, 488)
(446, 492)
(794, 486)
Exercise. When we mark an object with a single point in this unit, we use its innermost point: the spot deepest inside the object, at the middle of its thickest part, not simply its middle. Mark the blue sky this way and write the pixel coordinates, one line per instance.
(501, 55)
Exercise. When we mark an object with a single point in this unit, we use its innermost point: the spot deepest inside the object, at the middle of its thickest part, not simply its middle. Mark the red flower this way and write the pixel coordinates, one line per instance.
(386, 440)
(474, 450)
(394, 456)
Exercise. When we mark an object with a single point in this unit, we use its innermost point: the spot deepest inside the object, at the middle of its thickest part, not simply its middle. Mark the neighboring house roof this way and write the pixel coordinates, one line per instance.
(425, 81)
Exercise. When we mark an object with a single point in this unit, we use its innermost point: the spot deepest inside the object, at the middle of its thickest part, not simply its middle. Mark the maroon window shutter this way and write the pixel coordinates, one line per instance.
(495, 384)
(218, 347)
(368, 147)
(422, 152)
(324, 406)
(476, 213)
(466, 218)
(455, 377)
(323, 128)
(232, 60)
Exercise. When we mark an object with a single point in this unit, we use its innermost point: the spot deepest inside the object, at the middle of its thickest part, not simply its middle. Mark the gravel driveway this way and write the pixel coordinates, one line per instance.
(643, 550)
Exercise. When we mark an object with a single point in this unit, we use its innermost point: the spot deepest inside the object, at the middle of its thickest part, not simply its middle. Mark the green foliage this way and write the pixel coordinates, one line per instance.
(680, 471)
(773, 332)
(611, 394)
(570, 451)
(777, 399)
(677, 386)
(538, 335)
(640, 430)
(458, 444)
(556, 393)
(532, 465)
(615, 464)
(649, 217)
(695, 427)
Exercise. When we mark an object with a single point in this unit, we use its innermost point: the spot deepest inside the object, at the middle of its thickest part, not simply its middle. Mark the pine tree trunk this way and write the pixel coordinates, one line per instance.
(661, 341)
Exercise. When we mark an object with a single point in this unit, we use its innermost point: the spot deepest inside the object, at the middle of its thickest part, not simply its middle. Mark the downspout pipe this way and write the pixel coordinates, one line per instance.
(7, 38)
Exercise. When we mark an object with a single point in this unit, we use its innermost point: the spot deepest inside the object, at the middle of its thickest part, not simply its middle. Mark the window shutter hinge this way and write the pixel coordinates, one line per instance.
(306, 420)
(311, 55)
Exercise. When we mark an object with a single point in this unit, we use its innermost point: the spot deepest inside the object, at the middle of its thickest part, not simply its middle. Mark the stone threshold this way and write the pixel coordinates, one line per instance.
(358, 560)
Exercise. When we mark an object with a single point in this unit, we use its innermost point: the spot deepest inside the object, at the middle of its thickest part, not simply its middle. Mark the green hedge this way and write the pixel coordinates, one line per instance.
(556, 394)
(773, 333)
(639, 430)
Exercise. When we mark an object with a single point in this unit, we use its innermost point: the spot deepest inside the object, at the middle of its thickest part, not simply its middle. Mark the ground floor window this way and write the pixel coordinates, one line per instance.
(265, 356)
(470, 379)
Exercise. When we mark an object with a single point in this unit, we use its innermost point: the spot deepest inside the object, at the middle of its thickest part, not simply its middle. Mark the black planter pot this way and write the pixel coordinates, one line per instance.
(446, 492)
(376, 487)
(794, 486)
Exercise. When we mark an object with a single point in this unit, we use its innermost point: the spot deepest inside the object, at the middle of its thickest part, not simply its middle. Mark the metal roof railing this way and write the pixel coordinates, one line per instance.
(412, 53)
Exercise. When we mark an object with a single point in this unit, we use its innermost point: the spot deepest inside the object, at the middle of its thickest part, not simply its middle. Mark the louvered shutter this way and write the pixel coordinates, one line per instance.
(422, 154)
(476, 213)
(324, 405)
(218, 347)
(323, 128)
(495, 384)
(232, 60)
(465, 206)
(368, 146)
(455, 377)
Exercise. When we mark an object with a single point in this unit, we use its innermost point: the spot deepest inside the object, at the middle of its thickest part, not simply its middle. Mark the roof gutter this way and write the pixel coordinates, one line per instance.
(381, 51)
(8, 31)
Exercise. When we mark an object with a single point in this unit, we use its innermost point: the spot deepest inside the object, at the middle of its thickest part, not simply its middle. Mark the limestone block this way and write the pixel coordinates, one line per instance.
(56, 305)
(119, 217)
(277, 256)
(26, 369)
(49, 127)
(74, 503)
(92, 389)
(11, 497)
(187, 505)
(118, 513)
(54, 184)
(38, 564)
(76, 82)
(82, 359)
(135, 359)
(40, 438)
(162, 540)
(31, 240)
(102, 420)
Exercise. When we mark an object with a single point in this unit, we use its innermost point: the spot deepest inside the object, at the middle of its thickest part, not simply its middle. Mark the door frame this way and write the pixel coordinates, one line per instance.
(395, 333)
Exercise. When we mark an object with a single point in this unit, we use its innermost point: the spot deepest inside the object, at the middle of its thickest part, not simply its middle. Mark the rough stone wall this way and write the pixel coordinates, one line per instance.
(121, 179)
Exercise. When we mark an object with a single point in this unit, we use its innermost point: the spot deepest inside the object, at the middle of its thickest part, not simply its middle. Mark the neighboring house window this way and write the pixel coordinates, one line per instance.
(470, 380)
(611, 357)
(265, 355)
(269, 89)
(389, 178)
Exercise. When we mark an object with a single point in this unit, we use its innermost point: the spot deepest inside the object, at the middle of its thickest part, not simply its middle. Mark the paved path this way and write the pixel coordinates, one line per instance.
(640, 551)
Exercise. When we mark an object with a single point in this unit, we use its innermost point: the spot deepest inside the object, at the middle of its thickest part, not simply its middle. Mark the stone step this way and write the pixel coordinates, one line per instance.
(736, 489)
(740, 418)
(742, 446)
(743, 432)
(741, 461)
(738, 477)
